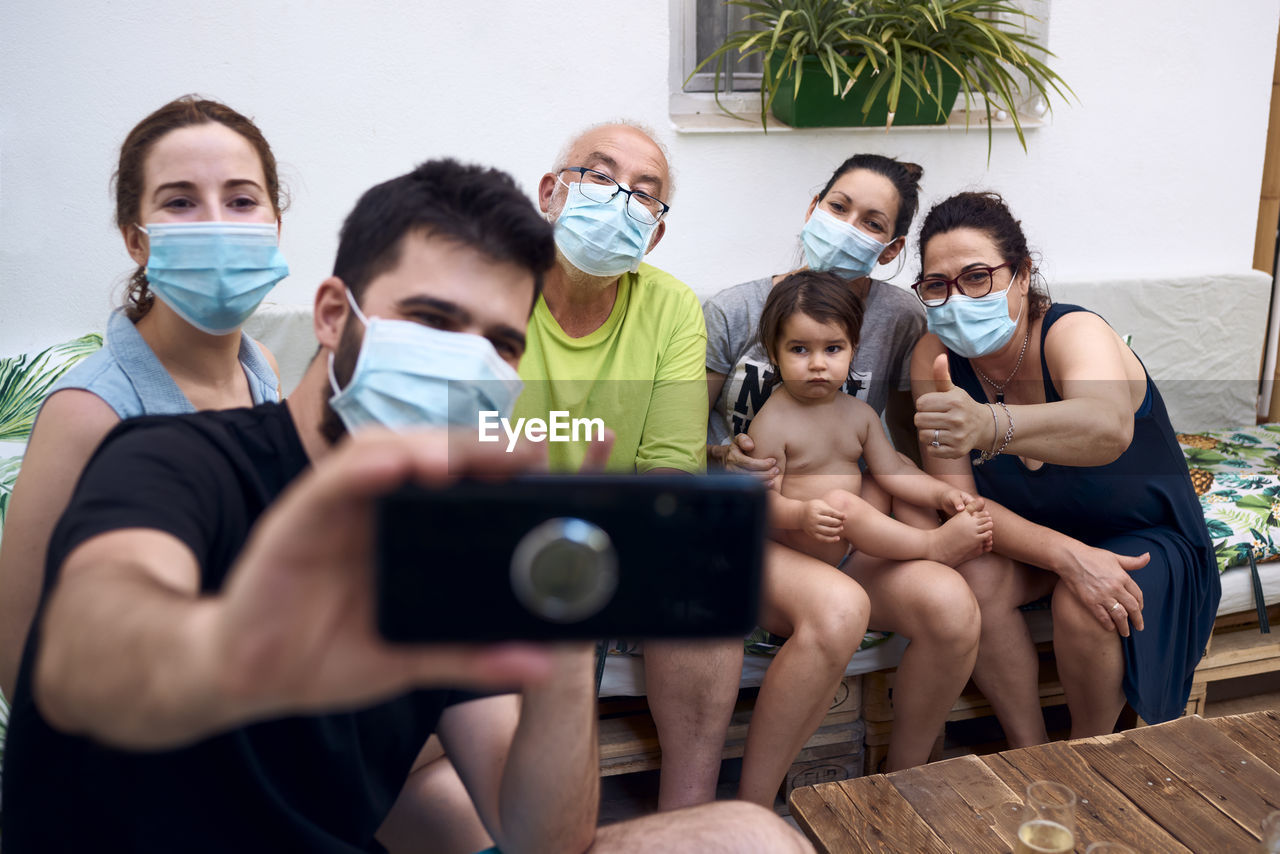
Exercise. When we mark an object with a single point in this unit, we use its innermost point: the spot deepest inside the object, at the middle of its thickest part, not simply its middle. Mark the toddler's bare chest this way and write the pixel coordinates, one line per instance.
(832, 453)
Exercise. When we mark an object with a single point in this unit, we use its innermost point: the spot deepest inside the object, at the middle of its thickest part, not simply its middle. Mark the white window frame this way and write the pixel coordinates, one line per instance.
(697, 111)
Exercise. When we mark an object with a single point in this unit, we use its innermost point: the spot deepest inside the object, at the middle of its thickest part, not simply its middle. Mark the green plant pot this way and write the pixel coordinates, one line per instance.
(816, 106)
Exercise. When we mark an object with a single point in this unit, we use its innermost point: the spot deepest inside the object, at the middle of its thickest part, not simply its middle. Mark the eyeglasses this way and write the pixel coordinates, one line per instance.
(975, 282)
(599, 187)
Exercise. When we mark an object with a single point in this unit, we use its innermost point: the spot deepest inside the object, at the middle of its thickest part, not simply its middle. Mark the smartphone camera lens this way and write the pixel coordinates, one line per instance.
(564, 570)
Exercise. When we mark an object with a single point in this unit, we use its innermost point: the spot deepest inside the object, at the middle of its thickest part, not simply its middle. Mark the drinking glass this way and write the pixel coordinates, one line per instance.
(1052, 826)
(1271, 834)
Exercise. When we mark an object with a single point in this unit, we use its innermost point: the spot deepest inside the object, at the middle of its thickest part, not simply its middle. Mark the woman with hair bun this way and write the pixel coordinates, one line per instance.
(1043, 410)
(198, 205)
(859, 220)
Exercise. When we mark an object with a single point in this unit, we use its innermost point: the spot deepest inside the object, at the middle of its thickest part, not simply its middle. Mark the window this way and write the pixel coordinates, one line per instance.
(699, 26)
(712, 21)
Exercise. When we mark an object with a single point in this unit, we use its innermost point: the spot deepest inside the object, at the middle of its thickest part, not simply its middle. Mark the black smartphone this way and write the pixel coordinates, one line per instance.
(571, 557)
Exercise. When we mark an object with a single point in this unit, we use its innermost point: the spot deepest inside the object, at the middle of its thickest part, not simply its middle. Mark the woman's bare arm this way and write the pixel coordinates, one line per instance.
(1101, 386)
(68, 430)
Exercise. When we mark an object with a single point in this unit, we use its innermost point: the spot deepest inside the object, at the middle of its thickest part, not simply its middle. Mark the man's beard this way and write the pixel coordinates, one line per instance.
(344, 365)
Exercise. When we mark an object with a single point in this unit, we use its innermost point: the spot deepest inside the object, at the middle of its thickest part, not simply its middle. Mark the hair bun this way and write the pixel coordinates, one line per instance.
(913, 170)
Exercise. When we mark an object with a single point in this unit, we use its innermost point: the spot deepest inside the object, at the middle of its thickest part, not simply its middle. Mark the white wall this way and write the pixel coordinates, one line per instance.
(1155, 173)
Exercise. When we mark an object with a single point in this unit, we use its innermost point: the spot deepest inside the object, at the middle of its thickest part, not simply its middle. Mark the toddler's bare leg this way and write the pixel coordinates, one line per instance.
(874, 533)
(823, 613)
(911, 514)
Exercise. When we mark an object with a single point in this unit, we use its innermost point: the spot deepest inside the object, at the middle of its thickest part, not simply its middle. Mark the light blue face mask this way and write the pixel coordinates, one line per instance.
(974, 326)
(832, 245)
(213, 274)
(601, 238)
(409, 375)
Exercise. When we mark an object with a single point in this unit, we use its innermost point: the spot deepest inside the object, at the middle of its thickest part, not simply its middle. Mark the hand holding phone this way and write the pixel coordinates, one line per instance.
(571, 557)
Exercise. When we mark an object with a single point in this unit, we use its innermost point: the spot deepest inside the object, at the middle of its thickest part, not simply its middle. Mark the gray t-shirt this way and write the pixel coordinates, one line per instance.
(893, 322)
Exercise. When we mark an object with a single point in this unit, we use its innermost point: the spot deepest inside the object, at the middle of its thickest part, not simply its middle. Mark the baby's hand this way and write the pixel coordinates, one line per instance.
(952, 501)
(822, 521)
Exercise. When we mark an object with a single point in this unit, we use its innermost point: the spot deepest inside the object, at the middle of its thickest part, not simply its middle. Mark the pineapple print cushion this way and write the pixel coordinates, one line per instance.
(1236, 474)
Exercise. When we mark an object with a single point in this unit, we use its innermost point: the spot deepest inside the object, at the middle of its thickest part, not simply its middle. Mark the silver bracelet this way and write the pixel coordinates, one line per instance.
(987, 456)
(1008, 436)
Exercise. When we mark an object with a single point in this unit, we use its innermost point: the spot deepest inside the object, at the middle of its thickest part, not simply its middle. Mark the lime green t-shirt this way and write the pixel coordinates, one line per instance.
(641, 374)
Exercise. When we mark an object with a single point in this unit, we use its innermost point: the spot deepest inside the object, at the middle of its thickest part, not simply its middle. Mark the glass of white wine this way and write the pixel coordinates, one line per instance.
(1051, 829)
(1270, 834)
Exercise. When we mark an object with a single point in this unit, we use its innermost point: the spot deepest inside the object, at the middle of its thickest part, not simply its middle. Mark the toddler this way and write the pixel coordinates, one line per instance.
(820, 436)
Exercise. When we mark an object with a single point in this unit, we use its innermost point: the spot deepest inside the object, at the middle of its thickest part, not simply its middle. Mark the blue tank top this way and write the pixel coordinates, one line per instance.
(1141, 502)
(127, 375)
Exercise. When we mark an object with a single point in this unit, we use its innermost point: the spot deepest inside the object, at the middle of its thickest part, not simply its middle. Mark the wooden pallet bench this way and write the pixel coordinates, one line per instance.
(1236, 648)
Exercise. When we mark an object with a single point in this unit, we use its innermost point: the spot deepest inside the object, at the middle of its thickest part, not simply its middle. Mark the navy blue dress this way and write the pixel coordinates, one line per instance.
(1142, 502)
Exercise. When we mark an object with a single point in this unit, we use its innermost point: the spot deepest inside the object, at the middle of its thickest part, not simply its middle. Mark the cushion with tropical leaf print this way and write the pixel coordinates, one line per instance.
(1236, 474)
(25, 381)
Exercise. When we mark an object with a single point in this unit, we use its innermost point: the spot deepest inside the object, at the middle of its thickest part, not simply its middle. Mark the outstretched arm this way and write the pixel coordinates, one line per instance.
(1101, 384)
(133, 656)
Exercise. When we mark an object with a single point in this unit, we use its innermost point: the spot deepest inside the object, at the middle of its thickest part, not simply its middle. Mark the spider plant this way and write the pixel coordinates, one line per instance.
(900, 46)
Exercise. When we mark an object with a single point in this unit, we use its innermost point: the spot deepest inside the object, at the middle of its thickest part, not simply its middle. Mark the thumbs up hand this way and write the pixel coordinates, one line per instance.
(949, 423)
(942, 373)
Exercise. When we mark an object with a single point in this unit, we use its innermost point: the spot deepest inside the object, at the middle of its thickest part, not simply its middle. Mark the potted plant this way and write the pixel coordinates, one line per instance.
(870, 62)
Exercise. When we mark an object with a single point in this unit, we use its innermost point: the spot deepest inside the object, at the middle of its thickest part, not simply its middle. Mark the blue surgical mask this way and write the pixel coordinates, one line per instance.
(974, 326)
(601, 238)
(832, 245)
(213, 274)
(409, 375)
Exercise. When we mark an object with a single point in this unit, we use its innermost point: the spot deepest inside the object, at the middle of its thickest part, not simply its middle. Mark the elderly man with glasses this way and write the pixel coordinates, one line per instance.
(616, 339)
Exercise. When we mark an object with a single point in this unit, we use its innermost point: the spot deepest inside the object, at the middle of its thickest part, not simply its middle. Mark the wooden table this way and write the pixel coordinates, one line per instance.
(1187, 785)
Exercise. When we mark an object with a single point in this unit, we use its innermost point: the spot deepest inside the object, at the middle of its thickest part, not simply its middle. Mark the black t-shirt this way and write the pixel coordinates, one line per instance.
(314, 784)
